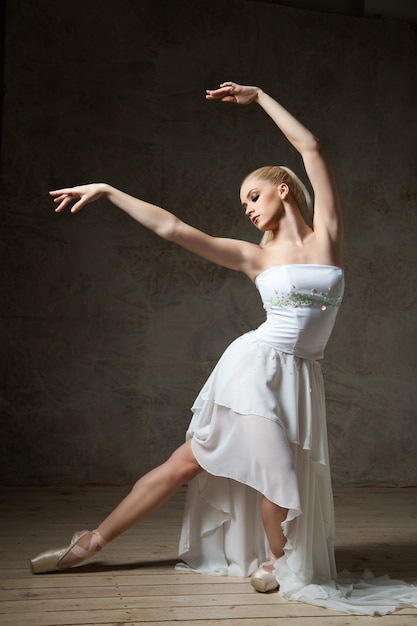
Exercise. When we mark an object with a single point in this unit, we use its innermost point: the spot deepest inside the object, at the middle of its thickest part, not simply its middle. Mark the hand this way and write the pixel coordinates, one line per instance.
(83, 194)
(232, 92)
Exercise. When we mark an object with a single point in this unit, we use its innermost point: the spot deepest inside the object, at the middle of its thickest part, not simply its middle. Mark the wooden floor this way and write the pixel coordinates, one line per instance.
(134, 581)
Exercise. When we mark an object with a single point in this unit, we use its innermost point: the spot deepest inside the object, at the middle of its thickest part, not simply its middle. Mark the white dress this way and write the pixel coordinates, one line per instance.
(259, 428)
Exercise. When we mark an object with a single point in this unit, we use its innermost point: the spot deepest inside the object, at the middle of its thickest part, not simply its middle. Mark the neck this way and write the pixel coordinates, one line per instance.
(292, 228)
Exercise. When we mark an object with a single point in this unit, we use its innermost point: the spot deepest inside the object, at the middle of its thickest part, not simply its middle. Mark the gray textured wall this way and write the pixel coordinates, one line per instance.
(107, 331)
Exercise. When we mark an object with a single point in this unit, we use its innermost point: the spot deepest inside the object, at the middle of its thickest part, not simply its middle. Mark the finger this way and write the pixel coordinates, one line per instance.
(222, 88)
(62, 205)
(78, 205)
(61, 198)
(223, 99)
(216, 94)
(213, 95)
(59, 192)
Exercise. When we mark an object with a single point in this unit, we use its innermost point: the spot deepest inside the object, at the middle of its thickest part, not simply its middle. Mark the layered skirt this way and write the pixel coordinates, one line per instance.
(259, 429)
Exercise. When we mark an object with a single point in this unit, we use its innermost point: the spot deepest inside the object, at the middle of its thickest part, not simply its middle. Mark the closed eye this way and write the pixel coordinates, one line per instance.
(253, 197)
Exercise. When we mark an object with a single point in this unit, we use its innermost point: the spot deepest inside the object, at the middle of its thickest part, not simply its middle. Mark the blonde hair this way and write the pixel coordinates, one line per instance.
(276, 174)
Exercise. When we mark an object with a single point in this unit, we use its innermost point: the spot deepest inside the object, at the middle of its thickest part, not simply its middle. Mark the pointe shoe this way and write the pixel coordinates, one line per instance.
(49, 561)
(263, 581)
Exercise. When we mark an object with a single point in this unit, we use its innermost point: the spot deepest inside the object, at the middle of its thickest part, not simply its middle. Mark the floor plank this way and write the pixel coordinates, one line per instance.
(134, 580)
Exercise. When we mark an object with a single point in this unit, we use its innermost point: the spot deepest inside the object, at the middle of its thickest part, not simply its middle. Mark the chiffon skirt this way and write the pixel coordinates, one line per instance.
(259, 429)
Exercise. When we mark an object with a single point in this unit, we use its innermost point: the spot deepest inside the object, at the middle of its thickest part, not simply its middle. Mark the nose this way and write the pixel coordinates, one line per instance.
(248, 210)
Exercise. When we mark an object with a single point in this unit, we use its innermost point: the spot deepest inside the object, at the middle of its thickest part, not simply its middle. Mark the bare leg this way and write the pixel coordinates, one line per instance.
(147, 494)
(272, 517)
(151, 491)
(263, 579)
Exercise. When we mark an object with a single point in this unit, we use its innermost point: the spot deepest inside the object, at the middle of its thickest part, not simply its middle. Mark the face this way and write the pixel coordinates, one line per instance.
(261, 201)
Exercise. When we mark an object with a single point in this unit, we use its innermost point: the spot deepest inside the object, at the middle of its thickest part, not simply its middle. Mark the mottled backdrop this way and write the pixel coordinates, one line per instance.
(107, 331)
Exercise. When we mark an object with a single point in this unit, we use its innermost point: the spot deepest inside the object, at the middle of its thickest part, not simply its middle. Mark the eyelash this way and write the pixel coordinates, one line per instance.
(254, 198)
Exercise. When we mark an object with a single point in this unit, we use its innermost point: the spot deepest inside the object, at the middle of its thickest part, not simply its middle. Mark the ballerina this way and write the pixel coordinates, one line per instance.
(259, 498)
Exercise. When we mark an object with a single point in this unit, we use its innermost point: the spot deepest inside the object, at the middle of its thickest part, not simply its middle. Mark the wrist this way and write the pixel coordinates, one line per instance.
(260, 95)
(104, 189)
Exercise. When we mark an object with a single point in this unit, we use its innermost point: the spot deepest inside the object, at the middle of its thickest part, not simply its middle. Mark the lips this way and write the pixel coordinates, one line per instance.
(255, 219)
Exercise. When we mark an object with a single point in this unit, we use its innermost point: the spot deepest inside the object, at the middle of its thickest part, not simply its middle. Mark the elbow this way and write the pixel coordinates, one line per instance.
(311, 145)
(169, 230)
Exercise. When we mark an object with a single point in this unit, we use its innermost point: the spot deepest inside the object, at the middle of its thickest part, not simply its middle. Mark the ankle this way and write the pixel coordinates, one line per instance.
(100, 541)
(268, 565)
(272, 557)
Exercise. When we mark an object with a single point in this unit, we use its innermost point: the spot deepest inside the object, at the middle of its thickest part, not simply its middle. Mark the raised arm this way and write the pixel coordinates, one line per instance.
(231, 253)
(327, 222)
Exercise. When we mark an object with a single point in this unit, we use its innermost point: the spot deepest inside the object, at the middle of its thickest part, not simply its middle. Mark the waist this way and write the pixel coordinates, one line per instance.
(303, 335)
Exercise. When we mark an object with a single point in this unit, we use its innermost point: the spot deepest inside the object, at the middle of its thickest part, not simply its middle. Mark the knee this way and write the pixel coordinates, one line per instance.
(187, 473)
(184, 472)
(182, 468)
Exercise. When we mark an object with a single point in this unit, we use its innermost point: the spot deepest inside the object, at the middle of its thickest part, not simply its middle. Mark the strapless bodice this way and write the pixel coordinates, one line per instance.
(301, 304)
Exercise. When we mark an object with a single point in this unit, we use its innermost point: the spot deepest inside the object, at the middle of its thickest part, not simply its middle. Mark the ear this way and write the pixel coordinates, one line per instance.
(283, 190)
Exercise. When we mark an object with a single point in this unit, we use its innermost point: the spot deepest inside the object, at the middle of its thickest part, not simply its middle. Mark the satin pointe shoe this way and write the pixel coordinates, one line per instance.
(50, 560)
(263, 579)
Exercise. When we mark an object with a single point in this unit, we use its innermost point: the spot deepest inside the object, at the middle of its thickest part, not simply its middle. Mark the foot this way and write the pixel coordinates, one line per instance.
(83, 546)
(263, 580)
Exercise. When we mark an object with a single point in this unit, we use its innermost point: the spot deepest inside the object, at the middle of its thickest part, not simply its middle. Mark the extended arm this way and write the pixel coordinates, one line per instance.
(151, 216)
(231, 253)
(327, 217)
